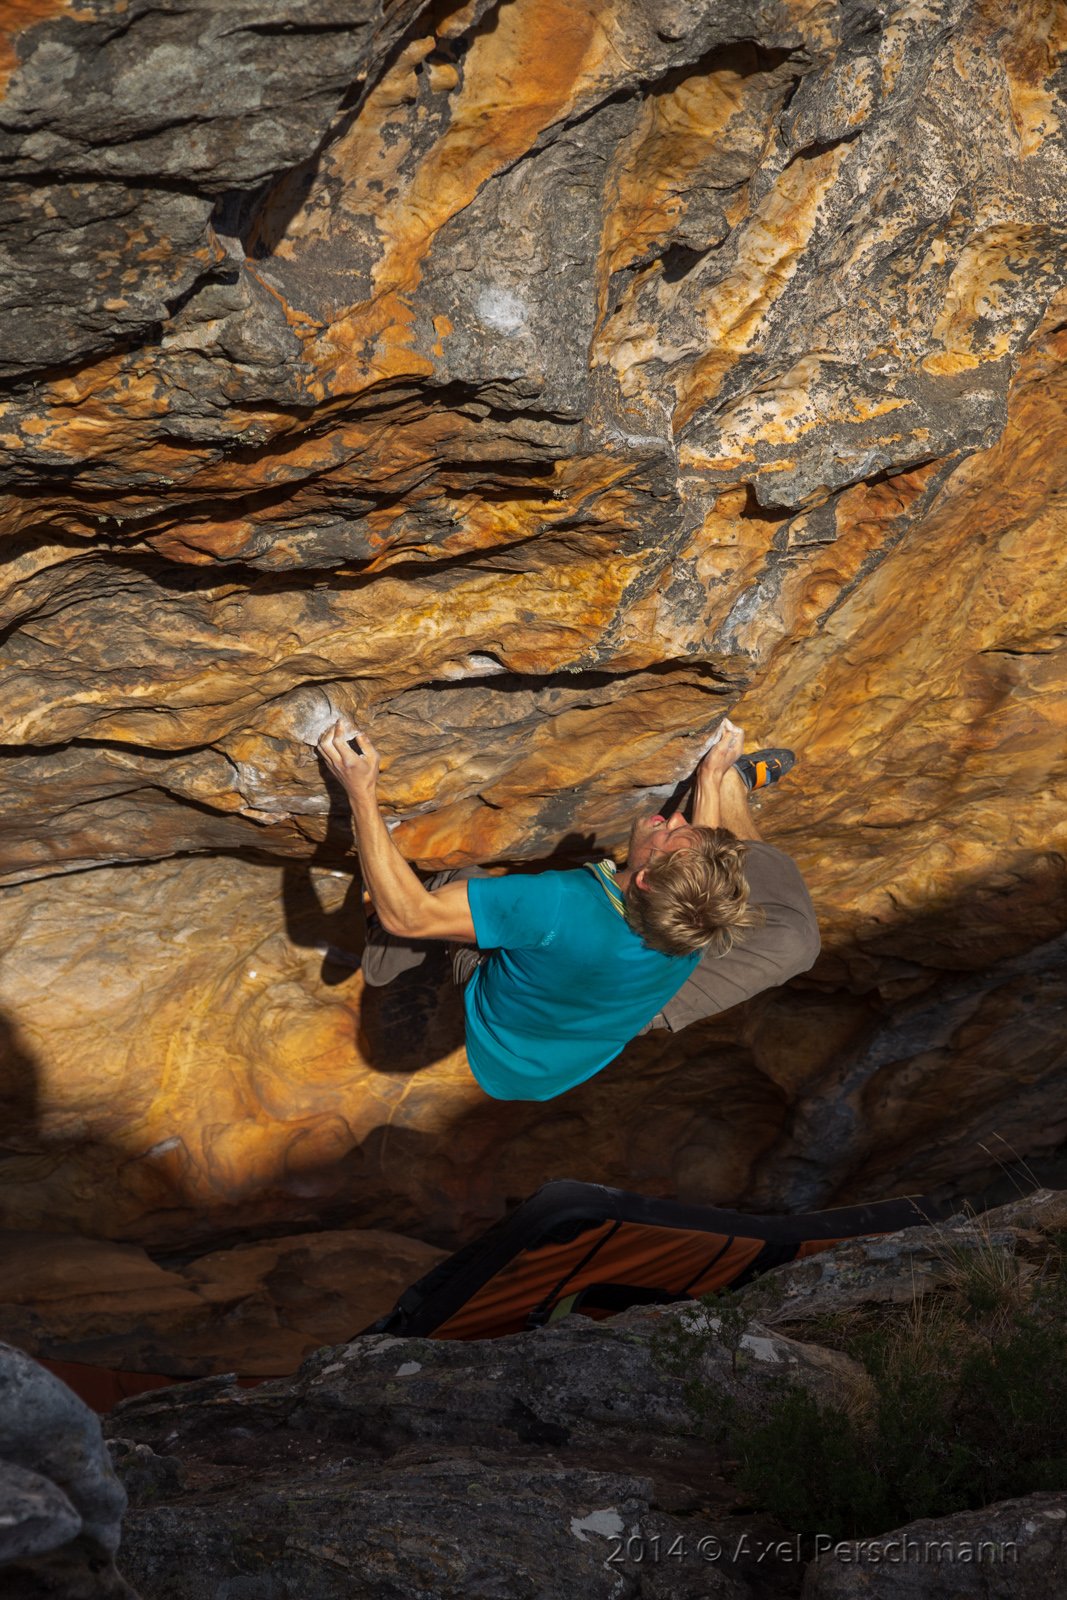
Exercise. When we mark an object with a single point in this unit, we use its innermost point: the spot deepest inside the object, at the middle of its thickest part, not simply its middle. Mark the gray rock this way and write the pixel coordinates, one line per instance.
(561, 1462)
(62, 1503)
(35, 1515)
(66, 252)
(146, 1476)
(858, 296)
(580, 1384)
(125, 129)
(1015, 1550)
(208, 95)
(505, 1526)
(898, 1268)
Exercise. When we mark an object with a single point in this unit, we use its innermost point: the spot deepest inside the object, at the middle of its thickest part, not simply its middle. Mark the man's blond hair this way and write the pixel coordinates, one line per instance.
(695, 899)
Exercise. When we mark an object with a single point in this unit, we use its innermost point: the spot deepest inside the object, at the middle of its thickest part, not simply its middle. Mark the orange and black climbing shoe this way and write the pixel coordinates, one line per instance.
(764, 767)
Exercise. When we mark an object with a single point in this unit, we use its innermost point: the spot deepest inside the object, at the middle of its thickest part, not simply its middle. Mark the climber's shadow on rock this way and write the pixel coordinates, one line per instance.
(19, 1094)
(571, 851)
(339, 934)
(413, 1021)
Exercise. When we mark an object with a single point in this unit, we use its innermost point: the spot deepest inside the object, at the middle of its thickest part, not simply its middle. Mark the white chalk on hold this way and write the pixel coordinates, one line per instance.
(499, 308)
(314, 712)
(725, 726)
(316, 731)
(472, 666)
(252, 972)
(163, 1146)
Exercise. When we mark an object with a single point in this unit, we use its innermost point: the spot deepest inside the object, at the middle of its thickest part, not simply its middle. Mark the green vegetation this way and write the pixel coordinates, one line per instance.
(964, 1406)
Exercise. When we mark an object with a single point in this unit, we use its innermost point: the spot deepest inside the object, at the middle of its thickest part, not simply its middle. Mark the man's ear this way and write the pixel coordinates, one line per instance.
(641, 879)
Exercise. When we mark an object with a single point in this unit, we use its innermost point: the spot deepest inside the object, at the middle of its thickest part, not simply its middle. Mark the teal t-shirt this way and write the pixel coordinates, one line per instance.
(567, 986)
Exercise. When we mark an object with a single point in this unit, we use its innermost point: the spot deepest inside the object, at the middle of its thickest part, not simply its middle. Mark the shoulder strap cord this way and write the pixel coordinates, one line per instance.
(604, 873)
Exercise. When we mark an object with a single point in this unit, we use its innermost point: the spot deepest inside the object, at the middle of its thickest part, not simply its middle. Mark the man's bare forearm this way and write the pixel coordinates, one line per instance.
(399, 896)
(707, 804)
(720, 795)
(404, 904)
(734, 806)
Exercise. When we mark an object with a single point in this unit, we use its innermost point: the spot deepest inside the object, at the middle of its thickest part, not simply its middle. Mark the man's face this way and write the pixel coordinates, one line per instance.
(653, 837)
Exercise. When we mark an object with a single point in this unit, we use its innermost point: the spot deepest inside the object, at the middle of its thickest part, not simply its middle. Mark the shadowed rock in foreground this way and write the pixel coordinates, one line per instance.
(569, 1460)
(61, 1504)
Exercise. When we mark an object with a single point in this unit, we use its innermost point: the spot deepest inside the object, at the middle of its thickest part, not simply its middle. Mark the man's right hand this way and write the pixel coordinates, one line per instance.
(724, 752)
(355, 770)
(711, 773)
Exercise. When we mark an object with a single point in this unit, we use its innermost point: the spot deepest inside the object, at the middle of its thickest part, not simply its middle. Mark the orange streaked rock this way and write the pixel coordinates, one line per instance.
(18, 15)
(71, 1298)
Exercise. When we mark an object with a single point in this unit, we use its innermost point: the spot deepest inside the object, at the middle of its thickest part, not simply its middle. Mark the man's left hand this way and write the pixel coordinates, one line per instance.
(723, 753)
(355, 770)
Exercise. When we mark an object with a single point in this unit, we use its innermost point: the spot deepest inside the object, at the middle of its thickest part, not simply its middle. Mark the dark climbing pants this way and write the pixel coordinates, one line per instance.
(385, 956)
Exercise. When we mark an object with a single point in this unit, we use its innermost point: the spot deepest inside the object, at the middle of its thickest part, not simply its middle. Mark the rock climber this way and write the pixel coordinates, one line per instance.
(561, 969)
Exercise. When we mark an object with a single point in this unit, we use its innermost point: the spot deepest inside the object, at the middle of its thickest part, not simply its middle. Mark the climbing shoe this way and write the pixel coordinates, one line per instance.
(764, 767)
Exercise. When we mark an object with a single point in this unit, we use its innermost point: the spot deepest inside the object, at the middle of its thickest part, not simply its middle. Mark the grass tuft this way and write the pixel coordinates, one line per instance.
(968, 1389)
